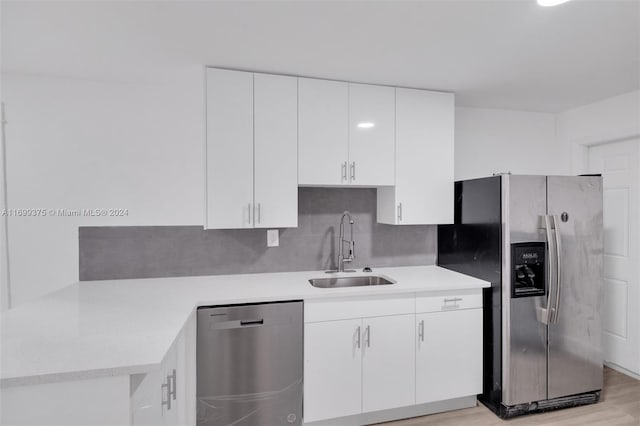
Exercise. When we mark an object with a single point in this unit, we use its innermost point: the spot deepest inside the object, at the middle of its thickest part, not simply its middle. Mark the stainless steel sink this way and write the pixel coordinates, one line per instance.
(335, 282)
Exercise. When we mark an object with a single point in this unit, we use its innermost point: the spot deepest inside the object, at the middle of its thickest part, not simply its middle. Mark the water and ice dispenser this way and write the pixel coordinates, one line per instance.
(528, 269)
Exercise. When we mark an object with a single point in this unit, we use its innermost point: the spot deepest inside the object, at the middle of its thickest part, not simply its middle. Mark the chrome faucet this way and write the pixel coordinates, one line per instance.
(352, 244)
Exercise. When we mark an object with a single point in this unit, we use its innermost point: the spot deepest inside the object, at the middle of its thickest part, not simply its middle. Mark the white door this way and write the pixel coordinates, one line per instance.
(619, 164)
(448, 355)
(388, 362)
(276, 151)
(323, 108)
(229, 149)
(371, 135)
(424, 150)
(332, 369)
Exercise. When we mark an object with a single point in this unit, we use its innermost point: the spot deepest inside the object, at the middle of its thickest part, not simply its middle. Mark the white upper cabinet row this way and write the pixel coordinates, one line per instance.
(267, 134)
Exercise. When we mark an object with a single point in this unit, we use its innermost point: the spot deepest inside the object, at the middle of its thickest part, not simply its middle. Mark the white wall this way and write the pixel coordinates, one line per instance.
(609, 120)
(491, 141)
(83, 144)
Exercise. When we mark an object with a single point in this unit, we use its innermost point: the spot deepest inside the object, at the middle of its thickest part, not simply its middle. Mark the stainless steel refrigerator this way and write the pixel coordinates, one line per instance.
(539, 240)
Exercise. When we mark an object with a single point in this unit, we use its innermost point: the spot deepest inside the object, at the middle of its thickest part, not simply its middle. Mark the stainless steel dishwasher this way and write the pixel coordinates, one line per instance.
(249, 364)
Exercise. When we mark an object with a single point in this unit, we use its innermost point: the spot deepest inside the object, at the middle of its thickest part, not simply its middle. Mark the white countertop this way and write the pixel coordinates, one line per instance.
(109, 328)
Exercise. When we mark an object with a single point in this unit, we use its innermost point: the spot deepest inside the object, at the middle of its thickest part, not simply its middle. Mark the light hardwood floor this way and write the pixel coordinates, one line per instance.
(619, 405)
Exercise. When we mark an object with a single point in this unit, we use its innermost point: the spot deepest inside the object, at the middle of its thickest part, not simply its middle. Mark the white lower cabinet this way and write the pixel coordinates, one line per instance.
(388, 374)
(449, 355)
(167, 396)
(102, 401)
(358, 365)
(155, 400)
(146, 399)
(332, 369)
(368, 355)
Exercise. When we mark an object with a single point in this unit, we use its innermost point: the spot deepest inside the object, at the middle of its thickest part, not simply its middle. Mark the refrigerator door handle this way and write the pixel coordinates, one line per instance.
(544, 314)
(556, 309)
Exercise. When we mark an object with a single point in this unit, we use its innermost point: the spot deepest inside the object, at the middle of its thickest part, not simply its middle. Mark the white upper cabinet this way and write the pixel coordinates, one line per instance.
(251, 150)
(346, 133)
(371, 135)
(423, 193)
(276, 151)
(229, 149)
(323, 131)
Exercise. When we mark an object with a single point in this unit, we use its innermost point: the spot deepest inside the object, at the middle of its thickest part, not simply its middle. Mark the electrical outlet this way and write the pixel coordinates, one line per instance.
(273, 238)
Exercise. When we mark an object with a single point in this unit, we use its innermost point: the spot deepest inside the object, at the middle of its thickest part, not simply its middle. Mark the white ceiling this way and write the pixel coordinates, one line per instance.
(504, 54)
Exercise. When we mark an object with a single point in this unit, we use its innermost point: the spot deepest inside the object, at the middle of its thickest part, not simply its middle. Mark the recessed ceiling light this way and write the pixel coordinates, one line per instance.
(366, 125)
(547, 3)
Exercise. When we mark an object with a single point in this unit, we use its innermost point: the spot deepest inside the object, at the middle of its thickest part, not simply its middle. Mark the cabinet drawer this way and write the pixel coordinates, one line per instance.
(448, 301)
(348, 308)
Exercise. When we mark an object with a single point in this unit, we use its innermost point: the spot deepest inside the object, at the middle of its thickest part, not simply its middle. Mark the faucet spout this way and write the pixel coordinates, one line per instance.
(352, 244)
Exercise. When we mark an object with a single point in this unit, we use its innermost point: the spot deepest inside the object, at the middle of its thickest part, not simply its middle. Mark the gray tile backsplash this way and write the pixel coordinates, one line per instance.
(171, 251)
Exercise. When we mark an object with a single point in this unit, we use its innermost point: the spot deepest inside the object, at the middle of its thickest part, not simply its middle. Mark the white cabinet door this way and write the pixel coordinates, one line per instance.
(169, 391)
(88, 401)
(332, 369)
(276, 151)
(371, 135)
(323, 131)
(187, 372)
(388, 362)
(146, 399)
(229, 149)
(167, 396)
(424, 160)
(424, 135)
(448, 355)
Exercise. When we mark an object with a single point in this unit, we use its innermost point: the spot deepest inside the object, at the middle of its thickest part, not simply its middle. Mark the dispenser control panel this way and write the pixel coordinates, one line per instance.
(528, 269)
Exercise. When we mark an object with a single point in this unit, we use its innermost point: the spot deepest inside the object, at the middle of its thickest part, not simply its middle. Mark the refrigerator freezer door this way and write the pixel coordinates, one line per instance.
(575, 355)
(524, 337)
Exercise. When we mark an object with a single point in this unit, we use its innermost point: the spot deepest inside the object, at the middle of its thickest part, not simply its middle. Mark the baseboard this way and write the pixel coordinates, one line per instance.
(399, 413)
(622, 370)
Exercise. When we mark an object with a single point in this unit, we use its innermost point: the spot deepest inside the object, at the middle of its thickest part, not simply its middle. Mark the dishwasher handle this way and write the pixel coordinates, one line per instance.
(236, 324)
(254, 322)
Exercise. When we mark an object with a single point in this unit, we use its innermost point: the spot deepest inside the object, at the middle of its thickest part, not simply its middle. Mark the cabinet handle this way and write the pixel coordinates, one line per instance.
(421, 331)
(358, 337)
(171, 380)
(353, 171)
(453, 300)
(165, 402)
(259, 212)
(367, 336)
(399, 212)
(344, 171)
(249, 213)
